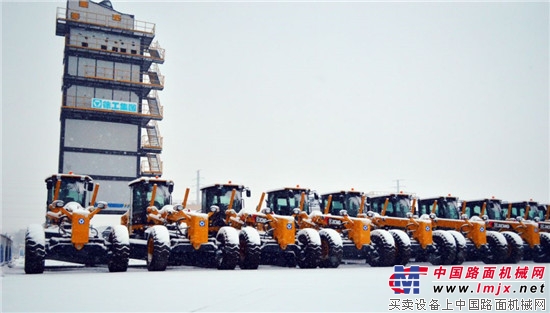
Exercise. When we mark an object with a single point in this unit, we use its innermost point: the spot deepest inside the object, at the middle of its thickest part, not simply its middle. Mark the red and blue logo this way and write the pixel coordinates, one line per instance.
(407, 279)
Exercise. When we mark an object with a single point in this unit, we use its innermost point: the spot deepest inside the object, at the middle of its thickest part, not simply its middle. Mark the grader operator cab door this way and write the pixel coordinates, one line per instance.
(73, 188)
(284, 201)
(141, 193)
(446, 207)
(220, 195)
(349, 201)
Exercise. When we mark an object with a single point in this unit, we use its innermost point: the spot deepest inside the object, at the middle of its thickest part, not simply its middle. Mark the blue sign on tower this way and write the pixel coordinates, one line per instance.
(114, 105)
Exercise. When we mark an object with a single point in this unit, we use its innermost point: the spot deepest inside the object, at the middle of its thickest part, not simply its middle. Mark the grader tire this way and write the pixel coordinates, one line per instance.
(227, 256)
(544, 255)
(310, 253)
(331, 251)
(158, 249)
(249, 251)
(515, 247)
(119, 251)
(498, 248)
(402, 246)
(445, 245)
(384, 248)
(35, 252)
(460, 247)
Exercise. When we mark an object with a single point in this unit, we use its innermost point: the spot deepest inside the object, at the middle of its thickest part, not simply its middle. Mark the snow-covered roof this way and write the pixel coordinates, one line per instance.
(151, 179)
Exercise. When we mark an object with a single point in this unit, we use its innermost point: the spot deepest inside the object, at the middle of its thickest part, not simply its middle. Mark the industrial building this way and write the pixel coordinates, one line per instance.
(110, 104)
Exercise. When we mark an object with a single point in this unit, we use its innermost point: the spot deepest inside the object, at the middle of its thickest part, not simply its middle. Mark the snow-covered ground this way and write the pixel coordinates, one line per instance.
(349, 288)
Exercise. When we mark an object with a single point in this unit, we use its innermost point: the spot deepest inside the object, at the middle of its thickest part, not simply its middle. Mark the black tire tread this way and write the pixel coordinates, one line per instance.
(161, 253)
(403, 250)
(515, 247)
(310, 253)
(385, 252)
(335, 252)
(249, 252)
(445, 252)
(35, 254)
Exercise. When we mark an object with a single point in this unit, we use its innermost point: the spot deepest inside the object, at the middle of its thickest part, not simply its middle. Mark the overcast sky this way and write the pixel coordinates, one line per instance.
(446, 97)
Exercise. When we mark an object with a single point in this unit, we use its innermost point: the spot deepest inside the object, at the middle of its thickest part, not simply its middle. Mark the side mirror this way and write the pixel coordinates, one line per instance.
(170, 188)
(90, 186)
(248, 193)
(49, 184)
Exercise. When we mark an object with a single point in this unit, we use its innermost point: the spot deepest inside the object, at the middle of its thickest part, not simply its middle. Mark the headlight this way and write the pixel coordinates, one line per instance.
(432, 216)
(58, 203)
(343, 212)
(178, 207)
(519, 218)
(102, 205)
(296, 211)
(409, 215)
(536, 219)
(267, 210)
(464, 216)
(214, 208)
(370, 214)
(484, 217)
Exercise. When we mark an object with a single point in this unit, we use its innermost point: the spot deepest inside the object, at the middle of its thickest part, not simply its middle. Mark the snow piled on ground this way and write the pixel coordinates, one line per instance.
(191, 289)
(349, 288)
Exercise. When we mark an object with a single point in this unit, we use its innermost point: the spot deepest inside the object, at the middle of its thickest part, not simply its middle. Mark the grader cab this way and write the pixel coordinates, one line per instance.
(394, 211)
(68, 234)
(169, 234)
(479, 244)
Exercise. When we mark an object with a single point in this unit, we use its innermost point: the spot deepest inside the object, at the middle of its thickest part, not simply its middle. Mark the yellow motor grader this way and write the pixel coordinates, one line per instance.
(490, 210)
(170, 234)
(526, 217)
(479, 244)
(394, 211)
(281, 243)
(342, 212)
(68, 235)
(222, 203)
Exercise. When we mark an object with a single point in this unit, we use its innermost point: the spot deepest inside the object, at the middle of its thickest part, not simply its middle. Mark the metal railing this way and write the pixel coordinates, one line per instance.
(111, 20)
(146, 143)
(147, 170)
(98, 44)
(125, 76)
